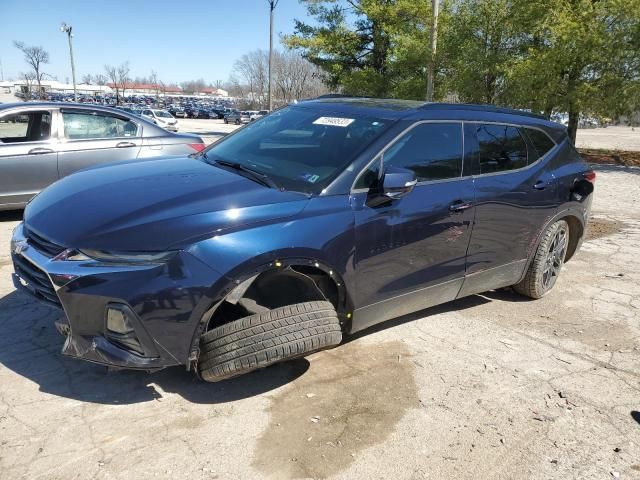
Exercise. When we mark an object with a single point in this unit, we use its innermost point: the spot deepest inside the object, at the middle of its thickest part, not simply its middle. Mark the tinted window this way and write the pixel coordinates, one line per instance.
(432, 150)
(501, 148)
(25, 127)
(299, 148)
(540, 140)
(90, 125)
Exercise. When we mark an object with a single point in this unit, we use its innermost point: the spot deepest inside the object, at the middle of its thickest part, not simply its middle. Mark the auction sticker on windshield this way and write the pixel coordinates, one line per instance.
(334, 121)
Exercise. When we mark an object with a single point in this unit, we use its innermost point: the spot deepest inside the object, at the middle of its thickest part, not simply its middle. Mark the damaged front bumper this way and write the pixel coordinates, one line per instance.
(155, 308)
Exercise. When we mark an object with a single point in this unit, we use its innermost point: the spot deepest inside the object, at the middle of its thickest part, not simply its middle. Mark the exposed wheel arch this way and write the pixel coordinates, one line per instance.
(294, 275)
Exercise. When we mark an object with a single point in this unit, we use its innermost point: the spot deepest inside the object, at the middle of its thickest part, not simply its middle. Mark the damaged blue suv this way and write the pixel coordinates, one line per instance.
(314, 222)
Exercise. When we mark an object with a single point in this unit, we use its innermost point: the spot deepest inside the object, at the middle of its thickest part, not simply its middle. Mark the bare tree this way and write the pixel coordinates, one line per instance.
(119, 77)
(35, 57)
(123, 76)
(28, 78)
(293, 78)
(100, 79)
(88, 79)
(153, 80)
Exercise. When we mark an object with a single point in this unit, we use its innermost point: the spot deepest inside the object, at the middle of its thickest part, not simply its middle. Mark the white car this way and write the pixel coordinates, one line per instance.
(254, 115)
(162, 118)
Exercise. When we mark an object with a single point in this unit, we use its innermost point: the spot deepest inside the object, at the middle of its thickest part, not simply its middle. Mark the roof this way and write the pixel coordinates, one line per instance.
(413, 109)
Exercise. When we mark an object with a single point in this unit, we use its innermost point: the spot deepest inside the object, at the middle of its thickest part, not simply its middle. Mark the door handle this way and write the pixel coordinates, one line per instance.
(540, 185)
(40, 151)
(125, 144)
(460, 206)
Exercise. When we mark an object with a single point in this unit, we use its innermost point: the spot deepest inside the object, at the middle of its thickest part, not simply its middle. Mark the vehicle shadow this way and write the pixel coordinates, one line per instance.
(30, 346)
(635, 415)
(614, 168)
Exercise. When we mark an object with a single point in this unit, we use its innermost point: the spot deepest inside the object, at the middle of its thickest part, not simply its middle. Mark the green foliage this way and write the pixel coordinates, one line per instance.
(546, 55)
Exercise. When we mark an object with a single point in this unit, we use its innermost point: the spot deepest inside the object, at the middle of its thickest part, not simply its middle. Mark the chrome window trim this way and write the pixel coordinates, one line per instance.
(391, 142)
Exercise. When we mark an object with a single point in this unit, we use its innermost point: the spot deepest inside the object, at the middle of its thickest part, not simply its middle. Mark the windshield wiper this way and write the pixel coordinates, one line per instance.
(249, 173)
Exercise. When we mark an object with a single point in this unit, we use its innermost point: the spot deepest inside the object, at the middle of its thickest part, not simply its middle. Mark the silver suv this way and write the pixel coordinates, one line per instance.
(42, 142)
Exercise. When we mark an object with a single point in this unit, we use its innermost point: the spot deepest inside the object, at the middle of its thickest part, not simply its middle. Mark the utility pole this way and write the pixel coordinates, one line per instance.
(64, 28)
(434, 42)
(272, 7)
(1, 72)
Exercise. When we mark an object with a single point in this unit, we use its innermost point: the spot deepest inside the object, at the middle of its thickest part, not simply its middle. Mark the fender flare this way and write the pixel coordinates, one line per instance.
(567, 212)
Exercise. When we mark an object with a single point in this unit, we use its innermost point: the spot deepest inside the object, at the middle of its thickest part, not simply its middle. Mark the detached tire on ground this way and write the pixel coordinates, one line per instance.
(547, 262)
(263, 339)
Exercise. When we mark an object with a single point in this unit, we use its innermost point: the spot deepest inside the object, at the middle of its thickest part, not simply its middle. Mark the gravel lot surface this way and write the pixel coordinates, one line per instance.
(491, 386)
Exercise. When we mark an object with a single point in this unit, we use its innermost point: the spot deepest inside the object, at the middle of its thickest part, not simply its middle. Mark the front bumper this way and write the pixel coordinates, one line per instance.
(166, 303)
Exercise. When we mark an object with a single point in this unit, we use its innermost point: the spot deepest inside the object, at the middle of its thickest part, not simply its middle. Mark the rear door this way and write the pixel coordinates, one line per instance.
(92, 137)
(28, 155)
(515, 195)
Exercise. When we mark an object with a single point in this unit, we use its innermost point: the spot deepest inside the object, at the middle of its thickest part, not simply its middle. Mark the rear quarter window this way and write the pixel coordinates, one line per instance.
(540, 141)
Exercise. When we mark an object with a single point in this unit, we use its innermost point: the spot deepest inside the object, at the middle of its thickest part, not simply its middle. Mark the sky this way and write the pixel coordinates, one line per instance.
(179, 39)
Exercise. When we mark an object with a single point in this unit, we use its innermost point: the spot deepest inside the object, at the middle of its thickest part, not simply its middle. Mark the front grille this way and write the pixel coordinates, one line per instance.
(42, 244)
(37, 281)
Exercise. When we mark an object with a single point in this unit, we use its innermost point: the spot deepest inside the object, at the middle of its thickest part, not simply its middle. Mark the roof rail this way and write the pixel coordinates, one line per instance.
(478, 107)
(337, 95)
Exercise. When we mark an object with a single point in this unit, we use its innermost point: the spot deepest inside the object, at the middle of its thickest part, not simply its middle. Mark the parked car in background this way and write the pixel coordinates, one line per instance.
(237, 117)
(177, 111)
(258, 114)
(162, 118)
(319, 221)
(41, 142)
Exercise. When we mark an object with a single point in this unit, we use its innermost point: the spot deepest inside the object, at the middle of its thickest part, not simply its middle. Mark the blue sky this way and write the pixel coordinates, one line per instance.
(181, 40)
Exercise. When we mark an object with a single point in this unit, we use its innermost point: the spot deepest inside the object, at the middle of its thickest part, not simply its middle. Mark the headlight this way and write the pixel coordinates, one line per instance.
(133, 258)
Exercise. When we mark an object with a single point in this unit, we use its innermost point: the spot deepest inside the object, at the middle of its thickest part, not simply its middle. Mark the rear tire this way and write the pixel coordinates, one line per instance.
(547, 262)
(263, 339)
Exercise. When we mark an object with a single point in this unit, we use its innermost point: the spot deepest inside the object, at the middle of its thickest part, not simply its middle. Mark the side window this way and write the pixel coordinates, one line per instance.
(540, 141)
(501, 148)
(95, 126)
(432, 150)
(25, 127)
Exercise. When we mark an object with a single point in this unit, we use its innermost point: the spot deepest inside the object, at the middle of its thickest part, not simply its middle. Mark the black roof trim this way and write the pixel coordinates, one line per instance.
(480, 108)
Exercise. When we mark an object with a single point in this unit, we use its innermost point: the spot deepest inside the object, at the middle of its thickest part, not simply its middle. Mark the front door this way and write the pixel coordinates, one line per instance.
(92, 137)
(410, 253)
(28, 156)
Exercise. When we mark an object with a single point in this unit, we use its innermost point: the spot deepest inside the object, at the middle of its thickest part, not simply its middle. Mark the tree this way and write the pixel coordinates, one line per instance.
(119, 77)
(100, 79)
(87, 79)
(35, 57)
(28, 78)
(583, 57)
(294, 78)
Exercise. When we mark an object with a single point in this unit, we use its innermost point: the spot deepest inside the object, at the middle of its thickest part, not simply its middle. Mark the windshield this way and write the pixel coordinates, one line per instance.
(162, 114)
(297, 148)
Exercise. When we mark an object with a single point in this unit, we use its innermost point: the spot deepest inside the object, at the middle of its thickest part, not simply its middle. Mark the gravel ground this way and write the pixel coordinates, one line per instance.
(491, 386)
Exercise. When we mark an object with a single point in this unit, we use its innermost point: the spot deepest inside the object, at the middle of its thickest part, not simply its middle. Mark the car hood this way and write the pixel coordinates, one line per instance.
(153, 205)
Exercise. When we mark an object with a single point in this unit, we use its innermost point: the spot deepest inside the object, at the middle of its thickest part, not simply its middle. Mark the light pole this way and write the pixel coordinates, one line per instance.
(434, 43)
(64, 28)
(272, 7)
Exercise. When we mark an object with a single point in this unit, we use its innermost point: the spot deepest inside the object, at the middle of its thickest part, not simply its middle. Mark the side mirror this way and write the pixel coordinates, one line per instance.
(398, 182)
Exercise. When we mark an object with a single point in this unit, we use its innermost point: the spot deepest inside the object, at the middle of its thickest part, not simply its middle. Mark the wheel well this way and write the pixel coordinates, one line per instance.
(275, 288)
(576, 231)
